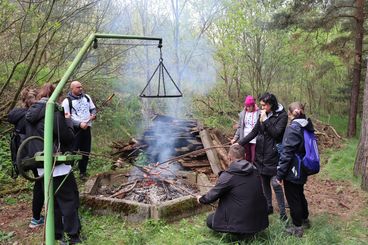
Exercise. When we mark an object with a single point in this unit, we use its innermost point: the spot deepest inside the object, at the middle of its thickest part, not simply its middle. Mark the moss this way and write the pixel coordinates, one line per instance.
(101, 204)
(178, 209)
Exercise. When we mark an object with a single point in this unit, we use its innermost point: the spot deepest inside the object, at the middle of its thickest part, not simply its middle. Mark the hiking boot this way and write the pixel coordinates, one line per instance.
(36, 223)
(306, 224)
(297, 231)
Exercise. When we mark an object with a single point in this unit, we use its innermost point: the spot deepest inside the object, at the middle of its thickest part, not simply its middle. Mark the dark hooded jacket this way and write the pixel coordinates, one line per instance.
(293, 143)
(269, 134)
(17, 118)
(242, 206)
(35, 123)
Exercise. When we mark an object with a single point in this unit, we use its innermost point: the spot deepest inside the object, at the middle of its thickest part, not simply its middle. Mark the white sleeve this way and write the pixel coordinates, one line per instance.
(91, 104)
(66, 106)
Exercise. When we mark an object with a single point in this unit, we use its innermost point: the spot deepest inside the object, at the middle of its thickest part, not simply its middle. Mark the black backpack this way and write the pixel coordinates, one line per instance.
(15, 142)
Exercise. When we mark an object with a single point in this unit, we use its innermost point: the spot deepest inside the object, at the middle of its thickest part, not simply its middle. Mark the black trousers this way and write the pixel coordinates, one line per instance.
(66, 204)
(83, 141)
(298, 204)
(239, 236)
(38, 197)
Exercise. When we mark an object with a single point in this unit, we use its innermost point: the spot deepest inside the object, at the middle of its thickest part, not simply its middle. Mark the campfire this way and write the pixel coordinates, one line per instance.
(174, 161)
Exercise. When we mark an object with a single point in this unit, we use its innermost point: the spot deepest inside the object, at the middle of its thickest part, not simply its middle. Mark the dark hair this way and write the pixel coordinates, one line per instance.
(270, 99)
(237, 151)
(46, 90)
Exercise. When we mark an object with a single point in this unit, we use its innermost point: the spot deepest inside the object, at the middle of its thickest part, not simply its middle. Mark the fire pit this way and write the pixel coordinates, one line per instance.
(146, 198)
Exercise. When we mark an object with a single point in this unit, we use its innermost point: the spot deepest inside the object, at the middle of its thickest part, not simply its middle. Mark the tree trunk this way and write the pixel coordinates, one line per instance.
(354, 99)
(361, 166)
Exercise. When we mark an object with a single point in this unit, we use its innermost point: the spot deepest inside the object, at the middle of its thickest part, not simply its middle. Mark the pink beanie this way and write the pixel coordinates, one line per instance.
(249, 101)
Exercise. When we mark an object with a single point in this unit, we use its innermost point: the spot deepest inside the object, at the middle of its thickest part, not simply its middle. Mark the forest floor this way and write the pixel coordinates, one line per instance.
(338, 198)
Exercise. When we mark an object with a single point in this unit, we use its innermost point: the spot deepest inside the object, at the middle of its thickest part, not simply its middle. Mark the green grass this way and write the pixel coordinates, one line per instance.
(340, 163)
(340, 123)
(113, 230)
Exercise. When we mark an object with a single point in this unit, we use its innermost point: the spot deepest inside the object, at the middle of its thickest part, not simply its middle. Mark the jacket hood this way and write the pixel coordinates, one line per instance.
(241, 167)
(37, 111)
(280, 108)
(305, 123)
(70, 94)
(16, 115)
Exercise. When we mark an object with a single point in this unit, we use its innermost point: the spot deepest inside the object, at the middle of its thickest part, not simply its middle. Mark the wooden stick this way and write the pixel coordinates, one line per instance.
(124, 191)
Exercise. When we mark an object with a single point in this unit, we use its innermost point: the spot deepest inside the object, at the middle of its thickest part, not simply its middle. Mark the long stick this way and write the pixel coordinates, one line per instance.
(185, 190)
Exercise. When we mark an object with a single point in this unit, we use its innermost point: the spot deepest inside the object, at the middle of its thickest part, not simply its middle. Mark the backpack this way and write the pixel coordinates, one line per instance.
(71, 105)
(310, 162)
(15, 142)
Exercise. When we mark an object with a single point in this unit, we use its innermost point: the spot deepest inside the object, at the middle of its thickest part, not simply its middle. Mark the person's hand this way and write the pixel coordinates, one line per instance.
(263, 116)
(236, 143)
(92, 117)
(198, 197)
(83, 125)
(67, 115)
(279, 182)
(232, 141)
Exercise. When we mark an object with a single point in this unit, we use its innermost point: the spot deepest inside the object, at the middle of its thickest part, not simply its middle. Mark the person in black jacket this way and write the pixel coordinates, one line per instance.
(287, 172)
(66, 199)
(17, 117)
(242, 208)
(269, 130)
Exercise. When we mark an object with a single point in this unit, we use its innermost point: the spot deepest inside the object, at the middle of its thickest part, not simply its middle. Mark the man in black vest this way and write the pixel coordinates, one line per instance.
(242, 207)
(80, 107)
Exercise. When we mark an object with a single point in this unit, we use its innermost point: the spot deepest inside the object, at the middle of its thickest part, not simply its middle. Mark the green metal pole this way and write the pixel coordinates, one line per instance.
(48, 136)
(49, 122)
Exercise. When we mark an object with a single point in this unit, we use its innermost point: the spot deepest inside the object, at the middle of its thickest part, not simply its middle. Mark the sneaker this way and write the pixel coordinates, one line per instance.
(36, 223)
(306, 224)
(283, 217)
(297, 231)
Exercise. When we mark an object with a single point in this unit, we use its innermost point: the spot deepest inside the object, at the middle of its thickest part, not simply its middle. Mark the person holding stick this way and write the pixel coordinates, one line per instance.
(242, 208)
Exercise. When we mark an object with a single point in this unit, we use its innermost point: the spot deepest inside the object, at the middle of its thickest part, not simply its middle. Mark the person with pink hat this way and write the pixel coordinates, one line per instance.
(247, 120)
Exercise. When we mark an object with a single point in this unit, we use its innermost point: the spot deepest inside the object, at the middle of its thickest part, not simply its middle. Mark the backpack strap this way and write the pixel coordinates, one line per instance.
(71, 106)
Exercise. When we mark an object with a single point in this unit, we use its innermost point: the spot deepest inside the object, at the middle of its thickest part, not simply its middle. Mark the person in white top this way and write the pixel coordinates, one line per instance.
(80, 107)
(247, 119)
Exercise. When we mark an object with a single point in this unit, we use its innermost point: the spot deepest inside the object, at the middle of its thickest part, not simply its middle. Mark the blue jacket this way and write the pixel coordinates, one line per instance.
(293, 143)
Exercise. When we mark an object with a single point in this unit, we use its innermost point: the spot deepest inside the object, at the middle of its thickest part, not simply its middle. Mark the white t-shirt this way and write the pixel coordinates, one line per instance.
(80, 109)
(250, 120)
(60, 170)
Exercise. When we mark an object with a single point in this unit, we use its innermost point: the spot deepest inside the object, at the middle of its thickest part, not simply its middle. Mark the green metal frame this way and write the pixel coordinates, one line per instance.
(49, 121)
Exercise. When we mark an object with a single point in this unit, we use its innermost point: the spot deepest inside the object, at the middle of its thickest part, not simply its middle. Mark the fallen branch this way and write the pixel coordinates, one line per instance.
(124, 191)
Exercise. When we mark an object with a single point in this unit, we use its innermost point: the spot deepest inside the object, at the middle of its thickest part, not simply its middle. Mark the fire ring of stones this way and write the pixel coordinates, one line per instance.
(146, 198)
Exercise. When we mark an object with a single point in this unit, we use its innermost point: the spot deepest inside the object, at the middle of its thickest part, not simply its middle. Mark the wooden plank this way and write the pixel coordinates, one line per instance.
(211, 154)
(194, 164)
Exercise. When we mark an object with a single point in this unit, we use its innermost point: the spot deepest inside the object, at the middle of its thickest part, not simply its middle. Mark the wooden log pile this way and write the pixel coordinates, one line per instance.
(186, 137)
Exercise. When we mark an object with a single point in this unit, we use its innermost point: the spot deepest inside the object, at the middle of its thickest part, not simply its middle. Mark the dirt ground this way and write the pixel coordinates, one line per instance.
(324, 196)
